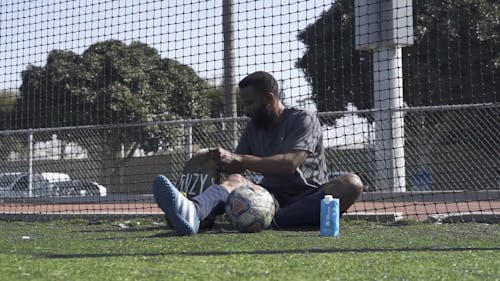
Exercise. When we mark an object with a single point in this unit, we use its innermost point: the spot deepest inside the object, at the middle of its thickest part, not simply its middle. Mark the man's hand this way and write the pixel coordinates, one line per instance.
(231, 162)
(223, 156)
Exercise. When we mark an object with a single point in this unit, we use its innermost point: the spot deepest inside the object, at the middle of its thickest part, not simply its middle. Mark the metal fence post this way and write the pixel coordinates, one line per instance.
(30, 164)
(385, 26)
(389, 130)
(188, 133)
(229, 90)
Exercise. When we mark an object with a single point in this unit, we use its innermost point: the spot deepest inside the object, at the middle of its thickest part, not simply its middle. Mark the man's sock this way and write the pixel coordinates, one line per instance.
(211, 201)
(303, 212)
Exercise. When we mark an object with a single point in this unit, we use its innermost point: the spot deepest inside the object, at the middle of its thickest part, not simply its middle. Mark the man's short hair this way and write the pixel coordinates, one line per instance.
(261, 81)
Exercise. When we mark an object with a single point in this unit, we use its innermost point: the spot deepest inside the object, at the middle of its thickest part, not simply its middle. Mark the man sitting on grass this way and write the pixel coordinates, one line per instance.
(285, 146)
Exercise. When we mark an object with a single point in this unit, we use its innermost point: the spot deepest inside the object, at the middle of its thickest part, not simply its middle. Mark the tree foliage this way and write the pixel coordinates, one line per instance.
(113, 83)
(8, 101)
(455, 58)
(8, 143)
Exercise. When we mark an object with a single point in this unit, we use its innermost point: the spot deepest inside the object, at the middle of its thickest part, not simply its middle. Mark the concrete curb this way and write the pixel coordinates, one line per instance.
(482, 217)
(382, 217)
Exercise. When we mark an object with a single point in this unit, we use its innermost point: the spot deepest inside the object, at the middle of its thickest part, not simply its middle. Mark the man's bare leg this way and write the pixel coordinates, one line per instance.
(234, 181)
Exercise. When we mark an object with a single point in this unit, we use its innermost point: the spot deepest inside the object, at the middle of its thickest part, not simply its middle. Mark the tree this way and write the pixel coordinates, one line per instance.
(8, 143)
(214, 133)
(215, 94)
(112, 83)
(455, 58)
(8, 101)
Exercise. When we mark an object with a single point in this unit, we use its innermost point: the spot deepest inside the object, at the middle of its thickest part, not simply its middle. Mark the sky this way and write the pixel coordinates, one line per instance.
(187, 31)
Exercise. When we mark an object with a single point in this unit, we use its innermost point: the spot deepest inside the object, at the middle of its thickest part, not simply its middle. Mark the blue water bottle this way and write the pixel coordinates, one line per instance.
(329, 219)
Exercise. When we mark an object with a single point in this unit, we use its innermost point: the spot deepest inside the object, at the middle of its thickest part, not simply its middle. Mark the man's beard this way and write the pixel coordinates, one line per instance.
(264, 118)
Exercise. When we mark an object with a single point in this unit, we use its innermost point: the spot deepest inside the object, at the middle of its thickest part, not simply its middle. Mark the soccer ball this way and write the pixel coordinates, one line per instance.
(249, 209)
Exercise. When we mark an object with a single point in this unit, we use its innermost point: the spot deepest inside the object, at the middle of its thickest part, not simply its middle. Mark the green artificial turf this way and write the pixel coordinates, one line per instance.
(146, 250)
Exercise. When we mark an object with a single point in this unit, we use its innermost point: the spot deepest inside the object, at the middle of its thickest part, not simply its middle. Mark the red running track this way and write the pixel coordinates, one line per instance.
(411, 210)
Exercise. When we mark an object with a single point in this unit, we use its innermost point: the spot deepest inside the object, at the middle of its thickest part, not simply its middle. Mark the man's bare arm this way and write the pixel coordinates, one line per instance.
(284, 163)
(279, 164)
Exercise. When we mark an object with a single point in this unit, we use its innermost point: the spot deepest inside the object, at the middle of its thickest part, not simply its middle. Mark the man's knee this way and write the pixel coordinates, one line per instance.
(352, 182)
(233, 181)
(355, 182)
(235, 178)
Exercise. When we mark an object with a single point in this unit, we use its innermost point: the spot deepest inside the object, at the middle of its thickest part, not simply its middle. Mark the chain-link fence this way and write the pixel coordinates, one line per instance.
(447, 149)
(107, 95)
(100, 154)
(453, 148)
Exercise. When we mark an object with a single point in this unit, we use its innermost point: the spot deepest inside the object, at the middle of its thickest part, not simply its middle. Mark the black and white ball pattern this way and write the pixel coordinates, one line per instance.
(249, 209)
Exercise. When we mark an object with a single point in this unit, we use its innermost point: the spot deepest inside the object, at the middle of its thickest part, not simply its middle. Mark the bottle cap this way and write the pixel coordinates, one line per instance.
(328, 198)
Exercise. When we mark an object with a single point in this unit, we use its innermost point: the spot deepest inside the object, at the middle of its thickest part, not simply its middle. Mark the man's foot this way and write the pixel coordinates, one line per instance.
(180, 211)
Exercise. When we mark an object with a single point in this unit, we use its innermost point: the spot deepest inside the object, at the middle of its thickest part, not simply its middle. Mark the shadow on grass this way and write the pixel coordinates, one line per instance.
(222, 228)
(269, 252)
(118, 229)
(158, 235)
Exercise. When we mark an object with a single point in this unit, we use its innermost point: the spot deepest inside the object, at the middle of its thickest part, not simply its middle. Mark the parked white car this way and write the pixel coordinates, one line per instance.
(53, 178)
(45, 184)
(16, 185)
(79, 187)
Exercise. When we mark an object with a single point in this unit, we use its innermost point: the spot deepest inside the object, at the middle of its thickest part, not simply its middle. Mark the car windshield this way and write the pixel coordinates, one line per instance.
(63, 184)
(6, 180)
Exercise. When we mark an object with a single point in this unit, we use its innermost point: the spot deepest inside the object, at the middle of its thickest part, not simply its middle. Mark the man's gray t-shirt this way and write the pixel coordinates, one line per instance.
(297, 130)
